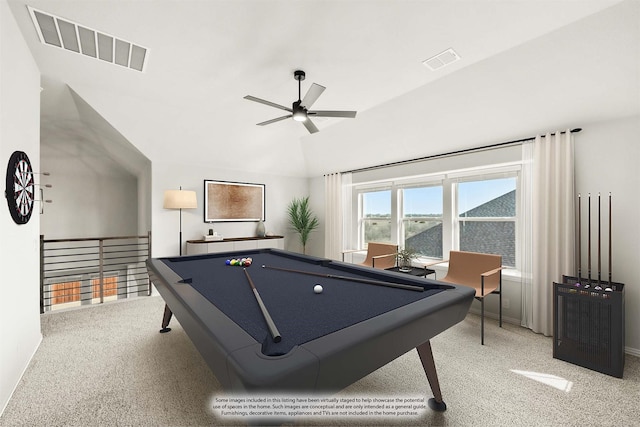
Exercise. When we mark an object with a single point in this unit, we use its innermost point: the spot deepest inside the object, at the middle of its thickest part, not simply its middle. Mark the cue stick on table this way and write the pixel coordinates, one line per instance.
(267, 317)
(353, 279)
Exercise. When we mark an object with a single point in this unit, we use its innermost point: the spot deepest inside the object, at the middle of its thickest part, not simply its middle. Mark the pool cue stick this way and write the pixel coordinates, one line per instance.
(609, 288)
(589, 242)
(579, 240)
(265, 313)
(353, 279)
(598, 287)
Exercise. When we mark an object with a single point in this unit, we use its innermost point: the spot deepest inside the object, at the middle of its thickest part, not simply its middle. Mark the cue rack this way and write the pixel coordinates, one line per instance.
(588, 312)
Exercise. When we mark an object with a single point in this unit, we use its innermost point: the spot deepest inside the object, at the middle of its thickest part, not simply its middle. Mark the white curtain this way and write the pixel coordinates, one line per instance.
(335, 195)
(526, 242)
(550, 227)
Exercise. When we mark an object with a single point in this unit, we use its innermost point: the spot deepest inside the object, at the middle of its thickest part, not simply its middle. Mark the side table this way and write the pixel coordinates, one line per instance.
(415, 271)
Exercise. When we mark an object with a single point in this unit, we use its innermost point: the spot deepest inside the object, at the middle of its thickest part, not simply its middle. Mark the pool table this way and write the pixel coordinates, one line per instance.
(359, 322)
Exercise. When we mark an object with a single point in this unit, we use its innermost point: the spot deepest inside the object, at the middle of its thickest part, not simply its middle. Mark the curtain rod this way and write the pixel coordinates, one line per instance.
(450, 153)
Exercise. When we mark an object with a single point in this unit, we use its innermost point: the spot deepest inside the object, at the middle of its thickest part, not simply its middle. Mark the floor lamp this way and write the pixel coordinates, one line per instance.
(180, 199)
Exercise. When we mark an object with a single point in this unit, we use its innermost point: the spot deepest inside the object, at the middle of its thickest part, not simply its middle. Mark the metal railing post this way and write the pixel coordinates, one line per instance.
(148, 256)
(41, 274)
(101, 269)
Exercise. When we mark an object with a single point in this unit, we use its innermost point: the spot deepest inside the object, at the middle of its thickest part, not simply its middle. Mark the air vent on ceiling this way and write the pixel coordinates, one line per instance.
(442, 59)
(65, 34)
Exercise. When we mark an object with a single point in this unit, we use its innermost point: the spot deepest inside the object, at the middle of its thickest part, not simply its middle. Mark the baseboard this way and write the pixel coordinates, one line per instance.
(15, 386)
(632, 351)
(505, 319)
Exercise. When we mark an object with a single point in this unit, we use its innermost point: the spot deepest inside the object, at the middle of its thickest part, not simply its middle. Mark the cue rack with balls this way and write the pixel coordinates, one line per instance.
(588, 320)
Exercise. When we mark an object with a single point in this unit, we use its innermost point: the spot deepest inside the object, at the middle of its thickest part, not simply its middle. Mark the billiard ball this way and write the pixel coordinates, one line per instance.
(317, 289)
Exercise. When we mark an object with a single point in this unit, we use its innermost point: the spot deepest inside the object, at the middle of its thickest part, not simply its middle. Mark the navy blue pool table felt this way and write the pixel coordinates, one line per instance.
(300, 314)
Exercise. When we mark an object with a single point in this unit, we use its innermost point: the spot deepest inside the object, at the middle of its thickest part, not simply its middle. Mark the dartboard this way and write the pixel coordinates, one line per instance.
(20, 187)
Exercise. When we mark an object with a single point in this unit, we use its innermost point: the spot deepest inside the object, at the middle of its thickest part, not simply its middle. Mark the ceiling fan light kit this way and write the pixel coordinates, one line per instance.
(300, 109)
(299, 113)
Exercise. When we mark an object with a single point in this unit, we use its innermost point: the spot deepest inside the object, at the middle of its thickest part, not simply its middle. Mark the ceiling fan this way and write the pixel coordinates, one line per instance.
(300, 109)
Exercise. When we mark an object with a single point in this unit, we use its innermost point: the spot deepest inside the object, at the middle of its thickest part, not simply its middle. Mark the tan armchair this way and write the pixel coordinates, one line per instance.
(477, 270)
(379, 255)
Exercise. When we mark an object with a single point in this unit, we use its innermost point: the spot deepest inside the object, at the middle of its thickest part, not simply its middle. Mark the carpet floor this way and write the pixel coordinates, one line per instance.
(108, 366)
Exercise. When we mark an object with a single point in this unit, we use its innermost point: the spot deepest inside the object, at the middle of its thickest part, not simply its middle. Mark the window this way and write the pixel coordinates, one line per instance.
(474, 209)
(486, 217)
(64, 292)
(109, 291)
(422, 220)
(375, 219)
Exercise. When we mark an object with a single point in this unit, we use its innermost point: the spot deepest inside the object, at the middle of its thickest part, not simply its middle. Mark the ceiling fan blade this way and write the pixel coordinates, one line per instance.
(268, 122)
(347, 114)
(310, 126)
(271, 104)
(312, 95)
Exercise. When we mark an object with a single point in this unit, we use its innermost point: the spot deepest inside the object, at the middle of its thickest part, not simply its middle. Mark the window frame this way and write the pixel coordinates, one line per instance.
(450, 221)
(491, 175)
(361, 243)
(401, 217)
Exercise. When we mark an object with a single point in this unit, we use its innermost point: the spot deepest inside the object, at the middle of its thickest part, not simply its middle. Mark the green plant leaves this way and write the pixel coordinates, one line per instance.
(302, 219)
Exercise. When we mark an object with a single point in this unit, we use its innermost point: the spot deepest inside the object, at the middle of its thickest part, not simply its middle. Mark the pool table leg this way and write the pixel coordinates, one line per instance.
(426, 357)
(166, 319)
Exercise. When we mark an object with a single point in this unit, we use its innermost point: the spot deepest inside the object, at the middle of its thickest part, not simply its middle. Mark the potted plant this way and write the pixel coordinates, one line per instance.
(302, 219)
(405, 256)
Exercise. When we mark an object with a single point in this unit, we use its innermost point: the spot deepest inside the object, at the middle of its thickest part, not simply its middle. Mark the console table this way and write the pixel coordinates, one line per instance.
(196, 247)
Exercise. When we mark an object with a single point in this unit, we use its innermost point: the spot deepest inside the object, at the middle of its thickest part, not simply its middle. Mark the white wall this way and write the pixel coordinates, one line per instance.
(100, 181)
(19, 244)
(144, 200)
(498, 99)
(607, 156)
(280, 190)
(87, 203)
(315, 244)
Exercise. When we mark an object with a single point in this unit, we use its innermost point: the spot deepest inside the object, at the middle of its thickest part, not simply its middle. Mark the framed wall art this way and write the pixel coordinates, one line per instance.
(226, 201)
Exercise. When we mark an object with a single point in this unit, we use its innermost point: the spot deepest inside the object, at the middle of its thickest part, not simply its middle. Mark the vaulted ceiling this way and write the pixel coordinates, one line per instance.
(204, 56)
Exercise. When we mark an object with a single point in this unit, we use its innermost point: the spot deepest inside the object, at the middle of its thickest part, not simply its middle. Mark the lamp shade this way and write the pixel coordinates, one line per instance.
(180, 199)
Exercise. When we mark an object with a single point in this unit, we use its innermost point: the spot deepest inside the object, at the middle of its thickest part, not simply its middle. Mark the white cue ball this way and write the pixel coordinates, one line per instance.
(317, 289)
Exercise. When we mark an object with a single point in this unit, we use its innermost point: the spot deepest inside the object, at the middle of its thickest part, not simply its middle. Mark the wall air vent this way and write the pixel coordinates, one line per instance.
(442, 59)
(68, 35)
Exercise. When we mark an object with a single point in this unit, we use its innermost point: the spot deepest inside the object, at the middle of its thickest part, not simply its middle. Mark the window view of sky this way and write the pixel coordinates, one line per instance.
(423, 201)
(475, 193)
(377, 202)
(428, 200)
